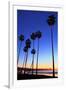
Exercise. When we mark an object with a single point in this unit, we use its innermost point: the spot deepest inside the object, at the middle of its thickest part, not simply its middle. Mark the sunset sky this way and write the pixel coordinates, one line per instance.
(32, 21)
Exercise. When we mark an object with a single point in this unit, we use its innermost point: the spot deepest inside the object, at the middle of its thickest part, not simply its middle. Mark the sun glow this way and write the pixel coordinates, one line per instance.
(40, 66)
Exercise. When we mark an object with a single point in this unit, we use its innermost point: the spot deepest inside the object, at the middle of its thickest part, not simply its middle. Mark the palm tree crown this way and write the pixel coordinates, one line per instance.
(28, 43)
(51, 20)
(21, 37)
(25, 49)
(33, 51)
(38, 34)
(33, 36)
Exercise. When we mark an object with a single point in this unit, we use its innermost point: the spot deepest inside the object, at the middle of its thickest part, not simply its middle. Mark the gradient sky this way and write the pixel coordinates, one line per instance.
(31, 21)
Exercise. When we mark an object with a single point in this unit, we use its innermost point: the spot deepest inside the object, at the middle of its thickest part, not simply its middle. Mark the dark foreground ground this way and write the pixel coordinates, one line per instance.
(27, 76)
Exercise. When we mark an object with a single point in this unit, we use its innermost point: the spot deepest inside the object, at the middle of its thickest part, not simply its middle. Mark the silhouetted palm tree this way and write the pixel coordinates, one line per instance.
(20, 38)
(25, 50)
(33, 52)
(28, 45)
(38, 36)
(51, 21)
(33, 37)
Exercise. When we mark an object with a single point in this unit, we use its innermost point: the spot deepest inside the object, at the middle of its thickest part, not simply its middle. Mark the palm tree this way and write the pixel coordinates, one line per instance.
(38, 36)
(51, 21)
(25, 50)
(33, 52)
(21, 38)
(33, 37)
(28, 45)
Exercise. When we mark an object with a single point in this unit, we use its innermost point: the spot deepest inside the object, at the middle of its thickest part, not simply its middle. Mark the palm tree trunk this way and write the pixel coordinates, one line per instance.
(33, 59)
(26, 62)
(37, 58)
(52, 52)
(32, 64)
(23, 62)
(19, 53)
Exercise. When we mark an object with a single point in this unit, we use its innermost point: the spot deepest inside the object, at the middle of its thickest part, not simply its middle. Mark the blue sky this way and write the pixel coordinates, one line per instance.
(32, 21)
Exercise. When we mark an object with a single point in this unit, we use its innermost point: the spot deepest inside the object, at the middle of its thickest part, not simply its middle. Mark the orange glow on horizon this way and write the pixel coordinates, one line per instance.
(41, 66)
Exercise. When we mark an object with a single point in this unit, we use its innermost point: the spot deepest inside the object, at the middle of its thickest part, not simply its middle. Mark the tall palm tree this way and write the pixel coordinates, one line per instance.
(28, 45)
(20, 38)
(25, 50)
(33, 52)
(33, 37)
(38, 36)
(51, 21)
